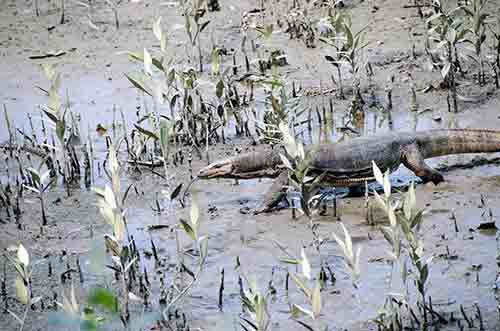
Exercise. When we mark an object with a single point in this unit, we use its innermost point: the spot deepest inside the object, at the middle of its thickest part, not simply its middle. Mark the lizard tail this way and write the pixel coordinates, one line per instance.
(458, 141)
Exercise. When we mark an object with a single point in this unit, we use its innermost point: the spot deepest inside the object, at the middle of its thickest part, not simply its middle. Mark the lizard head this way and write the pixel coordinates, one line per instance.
(219, 169)
(244, 166)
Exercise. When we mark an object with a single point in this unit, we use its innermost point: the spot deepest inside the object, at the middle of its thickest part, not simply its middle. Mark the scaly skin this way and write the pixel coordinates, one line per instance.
(349, 163)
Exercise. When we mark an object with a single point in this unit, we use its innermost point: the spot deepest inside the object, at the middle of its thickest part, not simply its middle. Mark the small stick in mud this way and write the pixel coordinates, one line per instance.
(37, 8)
(287, 280)
(4, 287)
(470, 323)
(61, 21)
(155, 252)
(79, 269)
(479, 316)
(221, 290)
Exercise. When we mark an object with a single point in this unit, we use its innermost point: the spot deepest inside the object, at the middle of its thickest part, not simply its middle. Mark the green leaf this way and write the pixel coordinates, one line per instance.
(48, 70)
(165, 130)
(388, 234)
(148, 62)
(377, 173)
(203, 26)
(61, 129)
(380, 201)
(118, 226)
(139, 81)
(51, 116)
(445, 70)
(21, 291)
(286, 162)
(140, 57)
(316, 301)
(146, 132)
(305, 264)
(203, 243)
(188, 229)
(298, 311)
(35, 176)
(195, 213)
(301, 284)
(157, 31)
(216, 59)
(219, 89)
(22, 255)
(104, 298)
(176, 192)
(387, 185)
(289, 261)
(171, 78)
(54, 102)
(112, 245)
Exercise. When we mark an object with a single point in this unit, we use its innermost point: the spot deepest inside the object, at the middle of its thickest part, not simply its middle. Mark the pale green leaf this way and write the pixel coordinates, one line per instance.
(286, 162)
(188, 229)
(195, 213)
(387, 185)
(203, 243)
(22, 255)
(378, 174)
(48, 70)
(21, 291)
(391, 213)
(109, 197)
(148, 63)
(112, 245)
(445, 70)
(305, 264)
(157, 31)
(348, 243)
(119, 226)
(298, 311)
(300, 283)
(289, 261)
(380, 201)
(316, 300)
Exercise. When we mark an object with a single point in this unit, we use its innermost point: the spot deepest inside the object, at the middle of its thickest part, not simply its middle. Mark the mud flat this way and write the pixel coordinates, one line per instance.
(217, 104)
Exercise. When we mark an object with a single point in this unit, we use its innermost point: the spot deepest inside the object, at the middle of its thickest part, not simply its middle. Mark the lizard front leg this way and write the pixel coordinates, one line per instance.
(412, 158)
(274, 194)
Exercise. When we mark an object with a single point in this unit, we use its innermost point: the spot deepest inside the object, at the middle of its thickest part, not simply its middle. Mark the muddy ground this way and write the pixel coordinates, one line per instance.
(462, 273)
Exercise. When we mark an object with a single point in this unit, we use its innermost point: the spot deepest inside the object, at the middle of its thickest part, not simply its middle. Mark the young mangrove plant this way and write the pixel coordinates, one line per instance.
(406, 243)
(477, 16)
(284, 109)
(200, 245)
(255, 303)
(351, 258)
(39, 183)
(312, 292)
(23, 283)
(347, 46)
(118, 245)
(297, 162)
(447, 30)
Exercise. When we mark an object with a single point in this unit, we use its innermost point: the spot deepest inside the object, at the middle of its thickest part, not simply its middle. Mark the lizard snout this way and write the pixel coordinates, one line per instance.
(218, 169)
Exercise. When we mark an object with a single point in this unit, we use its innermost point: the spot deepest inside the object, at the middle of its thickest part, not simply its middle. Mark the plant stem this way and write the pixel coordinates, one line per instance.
(25, 313)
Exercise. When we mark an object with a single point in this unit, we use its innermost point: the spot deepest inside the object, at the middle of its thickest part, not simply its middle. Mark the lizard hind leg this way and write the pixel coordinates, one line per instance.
(413, 160)
(274, 194)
